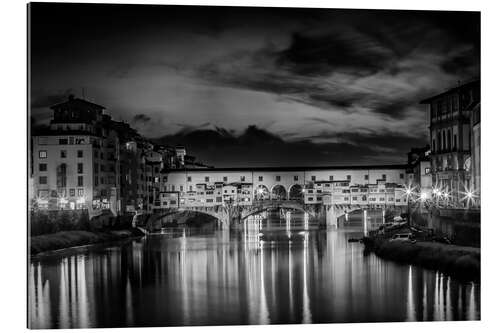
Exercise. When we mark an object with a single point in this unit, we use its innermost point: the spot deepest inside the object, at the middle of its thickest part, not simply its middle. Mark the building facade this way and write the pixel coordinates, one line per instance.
(75, 160)
(376, 185)
(85, 160)
(450, 136)
(419, 170)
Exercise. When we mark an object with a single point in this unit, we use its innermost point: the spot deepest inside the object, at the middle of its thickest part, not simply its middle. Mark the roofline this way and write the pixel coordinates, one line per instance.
(78, 99)
(293, 168)
(429, 99)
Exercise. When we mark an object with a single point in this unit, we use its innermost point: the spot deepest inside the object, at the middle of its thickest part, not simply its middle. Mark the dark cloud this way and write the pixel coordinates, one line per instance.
(258, 147)
(343, 51)
(42, 99)
(141, 118)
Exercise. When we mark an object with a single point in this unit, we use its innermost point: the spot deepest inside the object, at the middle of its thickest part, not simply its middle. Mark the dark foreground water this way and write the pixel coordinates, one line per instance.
(279, 272)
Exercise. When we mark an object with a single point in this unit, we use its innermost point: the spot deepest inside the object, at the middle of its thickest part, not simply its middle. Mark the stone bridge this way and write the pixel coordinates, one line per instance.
(231, 215)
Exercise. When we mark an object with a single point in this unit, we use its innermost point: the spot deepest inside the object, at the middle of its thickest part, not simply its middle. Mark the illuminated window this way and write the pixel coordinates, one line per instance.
(42, 154)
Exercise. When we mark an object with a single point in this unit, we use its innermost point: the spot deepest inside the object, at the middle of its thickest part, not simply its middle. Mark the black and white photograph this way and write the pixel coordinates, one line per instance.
(195, 165)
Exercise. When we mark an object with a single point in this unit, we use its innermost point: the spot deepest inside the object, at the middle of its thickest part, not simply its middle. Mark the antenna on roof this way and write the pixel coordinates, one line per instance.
(83, 93)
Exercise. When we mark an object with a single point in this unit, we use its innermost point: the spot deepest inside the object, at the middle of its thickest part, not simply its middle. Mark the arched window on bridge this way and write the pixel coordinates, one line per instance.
(296, 192)
(261, 193)
(278, 193)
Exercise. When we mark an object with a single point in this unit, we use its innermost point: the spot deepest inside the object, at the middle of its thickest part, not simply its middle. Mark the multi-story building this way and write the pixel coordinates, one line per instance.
(371, 185)
(450, 137)
(419, 170)
(476, 152)
(76, 160)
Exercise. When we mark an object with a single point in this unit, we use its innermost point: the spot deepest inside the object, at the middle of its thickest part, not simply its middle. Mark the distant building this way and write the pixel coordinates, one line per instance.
(450, 137)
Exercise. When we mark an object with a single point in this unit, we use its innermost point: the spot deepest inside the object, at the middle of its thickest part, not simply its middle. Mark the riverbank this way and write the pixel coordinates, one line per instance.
(460, 261)
(66, 239)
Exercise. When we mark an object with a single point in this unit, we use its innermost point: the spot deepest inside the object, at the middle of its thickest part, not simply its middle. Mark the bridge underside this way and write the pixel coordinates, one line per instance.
(327, 215)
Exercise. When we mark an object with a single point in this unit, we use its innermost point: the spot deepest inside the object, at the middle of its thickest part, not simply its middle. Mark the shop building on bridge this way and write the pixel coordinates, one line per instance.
(357, 185)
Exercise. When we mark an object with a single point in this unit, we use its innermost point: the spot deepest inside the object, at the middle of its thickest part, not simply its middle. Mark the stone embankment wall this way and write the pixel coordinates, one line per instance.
(461, 226)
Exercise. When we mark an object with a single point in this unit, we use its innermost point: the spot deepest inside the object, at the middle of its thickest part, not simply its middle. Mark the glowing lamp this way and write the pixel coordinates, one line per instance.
(423, 196)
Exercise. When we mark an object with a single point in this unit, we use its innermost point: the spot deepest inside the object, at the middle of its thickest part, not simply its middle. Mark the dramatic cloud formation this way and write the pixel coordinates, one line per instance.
(321, 86)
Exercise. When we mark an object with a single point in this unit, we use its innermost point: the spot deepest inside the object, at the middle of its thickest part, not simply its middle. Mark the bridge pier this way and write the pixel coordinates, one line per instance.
(332, 216)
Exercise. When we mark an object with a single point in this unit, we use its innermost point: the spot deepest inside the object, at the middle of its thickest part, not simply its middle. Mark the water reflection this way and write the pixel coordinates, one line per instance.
(272, 271)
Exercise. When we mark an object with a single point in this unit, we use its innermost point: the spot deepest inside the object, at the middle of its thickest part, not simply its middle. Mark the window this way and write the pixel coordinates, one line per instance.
(278, 178)
(103, 167)
(295, 178)
(384, 177)
(455, 145)
(80, 167)
(189, 178)
(207, 179)
(80, 192)
(42, 167)
(261, 178)
(401, 176)
(224, 179)
(181, 188)
(242, 178)
(71, 192)
(427, 171)
(42, 154)
(173, 187)
(42, 180)
(63, 153)
(354, 198)
(348, 177)
(79, 153)
(313, 178)
(331, 178)
(310, 198)
(63, 141)
(367, 177)
(80, 180)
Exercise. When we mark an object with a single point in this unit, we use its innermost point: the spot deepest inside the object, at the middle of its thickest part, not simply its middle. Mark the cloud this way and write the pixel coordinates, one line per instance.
(43, 99)
(344, 51)
(141, 118)
(258, 147)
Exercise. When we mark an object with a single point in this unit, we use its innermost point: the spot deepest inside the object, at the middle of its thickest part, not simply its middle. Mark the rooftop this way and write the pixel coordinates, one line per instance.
(292, 168)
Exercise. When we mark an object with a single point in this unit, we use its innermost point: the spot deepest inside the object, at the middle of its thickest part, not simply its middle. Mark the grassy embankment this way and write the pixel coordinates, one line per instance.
(66, 239)
(460, 261)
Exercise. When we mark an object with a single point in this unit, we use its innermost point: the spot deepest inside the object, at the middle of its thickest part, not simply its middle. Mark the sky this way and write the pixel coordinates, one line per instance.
(256, 86)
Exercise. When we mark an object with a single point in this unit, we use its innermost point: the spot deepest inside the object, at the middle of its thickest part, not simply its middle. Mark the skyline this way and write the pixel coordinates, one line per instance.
(316, 85)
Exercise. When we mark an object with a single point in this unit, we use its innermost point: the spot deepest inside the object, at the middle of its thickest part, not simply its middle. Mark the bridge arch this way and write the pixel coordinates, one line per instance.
(296, 192)
(278, 192)
(261, 193)
(269, 204)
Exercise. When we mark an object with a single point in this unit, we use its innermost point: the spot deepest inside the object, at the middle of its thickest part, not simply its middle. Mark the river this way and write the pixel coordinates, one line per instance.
(274, 270)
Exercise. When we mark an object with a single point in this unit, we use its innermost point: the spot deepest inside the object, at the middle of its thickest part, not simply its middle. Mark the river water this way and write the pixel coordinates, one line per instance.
(274, 270)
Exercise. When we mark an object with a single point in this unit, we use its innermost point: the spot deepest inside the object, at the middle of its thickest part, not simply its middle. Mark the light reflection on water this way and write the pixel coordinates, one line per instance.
(272, 271)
